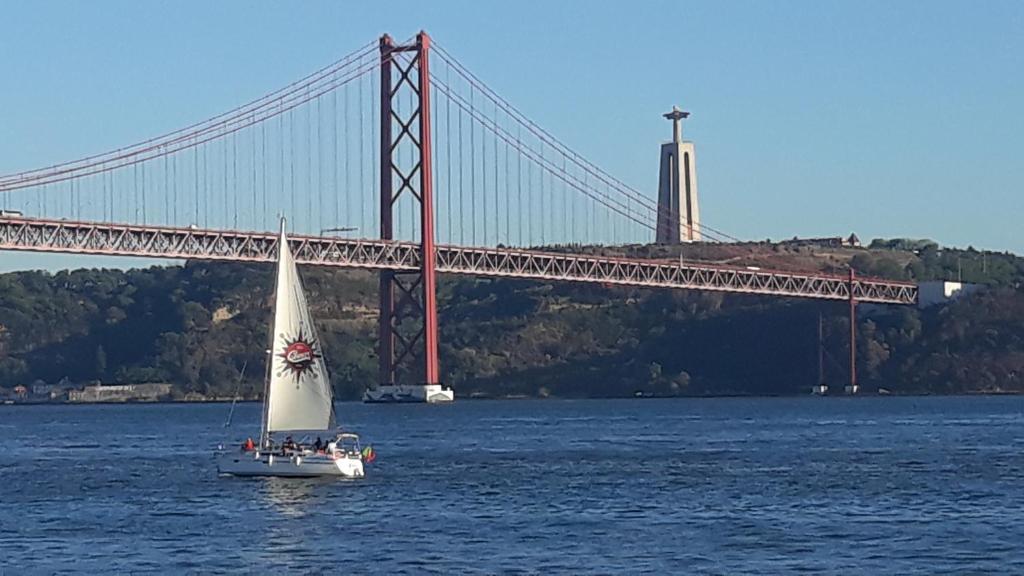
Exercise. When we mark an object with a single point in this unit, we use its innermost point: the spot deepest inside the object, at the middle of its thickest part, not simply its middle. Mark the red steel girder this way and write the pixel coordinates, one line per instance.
(39, 235)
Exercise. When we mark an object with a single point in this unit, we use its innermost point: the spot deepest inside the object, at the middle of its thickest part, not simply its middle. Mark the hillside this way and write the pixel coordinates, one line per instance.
(196, 325)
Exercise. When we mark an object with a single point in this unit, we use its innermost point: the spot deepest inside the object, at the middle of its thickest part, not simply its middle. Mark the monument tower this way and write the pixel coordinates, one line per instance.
(678, 215)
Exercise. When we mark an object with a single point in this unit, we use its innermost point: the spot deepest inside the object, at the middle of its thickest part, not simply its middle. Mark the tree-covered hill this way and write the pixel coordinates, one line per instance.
(197, 325)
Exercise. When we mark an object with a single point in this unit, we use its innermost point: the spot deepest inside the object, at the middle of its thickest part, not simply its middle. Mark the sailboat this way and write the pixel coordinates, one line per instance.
(297, 400)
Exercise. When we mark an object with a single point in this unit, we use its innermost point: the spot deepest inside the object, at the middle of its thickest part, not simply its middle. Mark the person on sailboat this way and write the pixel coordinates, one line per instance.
(297, 396)
(319, 444)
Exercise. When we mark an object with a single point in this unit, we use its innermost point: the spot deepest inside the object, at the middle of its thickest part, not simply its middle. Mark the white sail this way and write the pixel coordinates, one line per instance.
(299, 389)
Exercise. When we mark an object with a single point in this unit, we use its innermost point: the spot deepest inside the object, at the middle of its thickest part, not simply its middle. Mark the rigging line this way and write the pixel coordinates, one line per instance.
(590, 215)
(174, 186)
(103, 184)
(263, 173)
(508, 201)
(207, 186)
(319, 168)
(167, 192)
(334, 164)
(548, 165)
(615, 230)
(539, 131)
(280, 172)
(224, 190)
(608, 202)
(375, 167)
(415, 155)
(543, 193)
(519, 189)
(568, 214)
(181, 144)
(234, 399)
(448, 157)
(529, 193)
(497, 226)
(577, 159)
(434, 173)
(308, 153)
(135, 192)
(362, 161)
(472, 184)
(187, 132)
(462, 164)
(483, 177)
(291, 168)
(234, 175)
(195, 187)
(348, 173)
(253, 184)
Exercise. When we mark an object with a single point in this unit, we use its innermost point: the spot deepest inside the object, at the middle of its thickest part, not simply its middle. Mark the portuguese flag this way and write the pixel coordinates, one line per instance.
(369, 455)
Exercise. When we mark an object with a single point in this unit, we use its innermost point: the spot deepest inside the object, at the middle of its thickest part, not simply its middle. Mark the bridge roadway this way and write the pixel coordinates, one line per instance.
(42, 235)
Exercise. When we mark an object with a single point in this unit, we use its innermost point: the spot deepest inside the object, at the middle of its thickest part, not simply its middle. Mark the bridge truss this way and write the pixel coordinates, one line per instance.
(38, 235)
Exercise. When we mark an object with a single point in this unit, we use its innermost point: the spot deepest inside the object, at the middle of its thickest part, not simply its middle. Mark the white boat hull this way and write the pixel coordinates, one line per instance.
(254, 463)
(423, 393)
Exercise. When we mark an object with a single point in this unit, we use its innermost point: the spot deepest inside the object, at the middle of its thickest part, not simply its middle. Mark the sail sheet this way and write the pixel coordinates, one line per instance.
(299, 389)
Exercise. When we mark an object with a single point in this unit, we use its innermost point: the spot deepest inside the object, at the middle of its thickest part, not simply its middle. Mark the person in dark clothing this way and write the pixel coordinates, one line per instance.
(318, 444)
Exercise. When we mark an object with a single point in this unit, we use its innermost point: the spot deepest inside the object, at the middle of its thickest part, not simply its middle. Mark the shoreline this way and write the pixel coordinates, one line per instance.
(11, 402)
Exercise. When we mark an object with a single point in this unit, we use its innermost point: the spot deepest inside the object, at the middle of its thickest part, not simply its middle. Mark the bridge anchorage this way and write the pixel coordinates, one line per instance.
(400, 142)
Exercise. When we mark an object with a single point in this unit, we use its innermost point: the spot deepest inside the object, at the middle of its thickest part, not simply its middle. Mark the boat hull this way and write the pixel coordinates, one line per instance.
(420, 394)
(294, 466)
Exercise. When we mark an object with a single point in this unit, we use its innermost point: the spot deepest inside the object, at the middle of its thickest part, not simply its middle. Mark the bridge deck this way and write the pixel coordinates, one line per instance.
(40, 235)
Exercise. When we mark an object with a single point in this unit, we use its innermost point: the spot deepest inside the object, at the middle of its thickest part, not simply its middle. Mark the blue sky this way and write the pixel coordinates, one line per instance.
(810, 118)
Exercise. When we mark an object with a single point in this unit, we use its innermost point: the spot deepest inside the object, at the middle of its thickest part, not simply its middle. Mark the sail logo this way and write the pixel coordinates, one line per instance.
(298, 355)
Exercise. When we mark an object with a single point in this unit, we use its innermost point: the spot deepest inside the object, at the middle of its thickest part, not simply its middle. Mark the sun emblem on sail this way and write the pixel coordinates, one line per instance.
(299, 354)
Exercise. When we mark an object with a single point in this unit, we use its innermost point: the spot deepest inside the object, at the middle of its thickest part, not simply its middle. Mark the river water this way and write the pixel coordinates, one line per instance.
(701, 486)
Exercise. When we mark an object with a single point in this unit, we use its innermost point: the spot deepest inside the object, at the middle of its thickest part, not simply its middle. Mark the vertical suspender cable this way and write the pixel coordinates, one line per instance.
(472, 163)
(508, 200)
(483, 179)
(346, 150)
(448, 152)
(543, 212)
(334, 163)
(462, 164)
(319, 169)
(362, 160)
(519, 186)
(497, 227)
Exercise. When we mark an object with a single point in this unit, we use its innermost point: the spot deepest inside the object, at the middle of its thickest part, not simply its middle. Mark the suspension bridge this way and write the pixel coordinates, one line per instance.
(393, 158)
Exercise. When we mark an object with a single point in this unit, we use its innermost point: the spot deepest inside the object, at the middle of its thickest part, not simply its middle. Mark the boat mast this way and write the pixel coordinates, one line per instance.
(265, 421)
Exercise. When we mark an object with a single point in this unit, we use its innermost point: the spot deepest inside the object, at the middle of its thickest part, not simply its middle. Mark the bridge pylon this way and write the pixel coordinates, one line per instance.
(408, 300)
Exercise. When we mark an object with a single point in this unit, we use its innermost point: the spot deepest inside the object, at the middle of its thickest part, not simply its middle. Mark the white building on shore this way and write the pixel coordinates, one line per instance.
(121, 393)
(942, 291)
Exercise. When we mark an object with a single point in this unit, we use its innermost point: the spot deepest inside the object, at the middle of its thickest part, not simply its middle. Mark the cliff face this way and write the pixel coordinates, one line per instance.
(196, 325)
